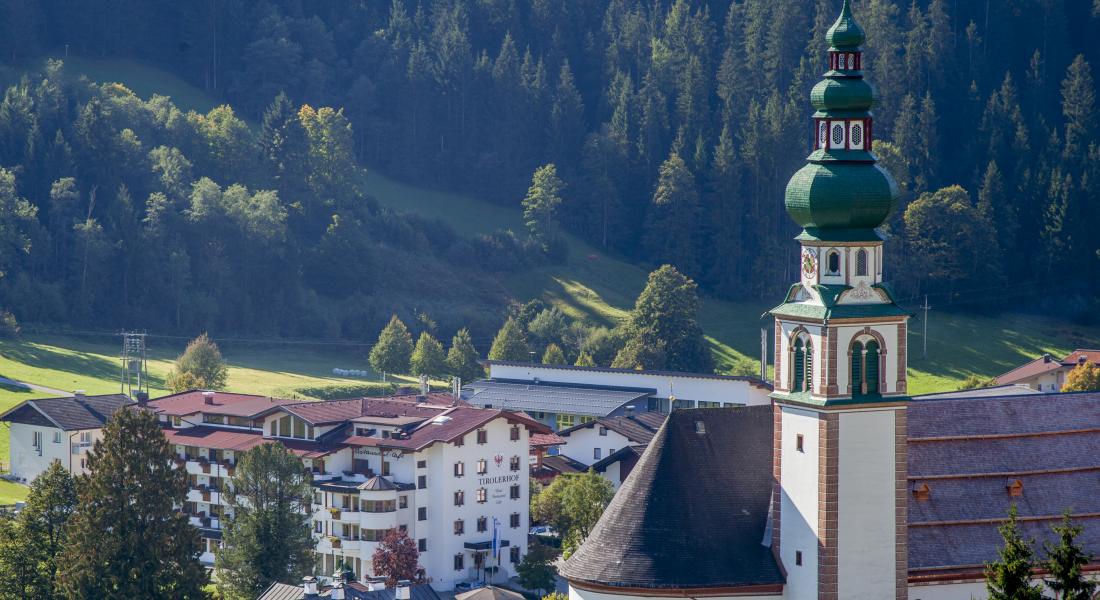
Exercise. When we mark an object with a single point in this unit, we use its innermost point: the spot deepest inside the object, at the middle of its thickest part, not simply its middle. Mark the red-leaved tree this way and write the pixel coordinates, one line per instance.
(397, 558)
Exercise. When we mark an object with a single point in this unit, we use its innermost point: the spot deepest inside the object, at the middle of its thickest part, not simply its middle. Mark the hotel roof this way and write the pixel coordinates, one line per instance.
(752, 380)
(240, 441)
(553, 397)
(221, 403)
(639, 428)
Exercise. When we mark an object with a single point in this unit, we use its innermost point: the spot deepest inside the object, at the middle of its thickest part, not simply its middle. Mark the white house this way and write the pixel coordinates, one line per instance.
(56, 429)
(446, 473)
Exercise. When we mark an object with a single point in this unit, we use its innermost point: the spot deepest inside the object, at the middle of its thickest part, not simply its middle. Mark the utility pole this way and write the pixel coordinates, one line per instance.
(926, 308)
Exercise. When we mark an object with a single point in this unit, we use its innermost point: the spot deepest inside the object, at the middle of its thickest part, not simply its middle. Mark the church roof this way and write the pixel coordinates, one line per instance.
(689, 516)
(980, 455)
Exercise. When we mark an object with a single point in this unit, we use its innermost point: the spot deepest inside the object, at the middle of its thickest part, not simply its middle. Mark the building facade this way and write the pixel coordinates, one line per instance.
(1046, 373)
(56, 429)
(447, 474)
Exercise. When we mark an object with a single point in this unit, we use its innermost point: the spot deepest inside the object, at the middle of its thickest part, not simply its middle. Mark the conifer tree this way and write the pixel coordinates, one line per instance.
(664, 321)
(462, 357)
(553, 355)
(393, 350)
(201, 366)
(510, 344)
(42, 522)
(1009, 578)
(1078, 106)
(127, 538)
(540, 206)
(268, 537)
(1065, 561)
(428, 358)
(565, 129)
(673, 217)
(584, 359)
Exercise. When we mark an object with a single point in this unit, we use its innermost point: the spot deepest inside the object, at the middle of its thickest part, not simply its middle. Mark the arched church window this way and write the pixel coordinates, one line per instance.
(857, 369)
(798, 379)
(871, 368)
(861, 262)
(809, 377)
(832, 263)
(838, 135)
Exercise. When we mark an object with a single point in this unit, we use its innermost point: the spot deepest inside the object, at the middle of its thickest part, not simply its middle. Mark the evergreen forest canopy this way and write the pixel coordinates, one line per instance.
(673, 126)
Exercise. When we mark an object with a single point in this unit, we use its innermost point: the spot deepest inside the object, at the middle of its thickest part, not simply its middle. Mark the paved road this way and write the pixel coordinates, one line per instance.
(33, 386)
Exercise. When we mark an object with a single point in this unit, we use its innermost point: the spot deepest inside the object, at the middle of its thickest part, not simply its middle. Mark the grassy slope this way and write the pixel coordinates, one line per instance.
(601, 288)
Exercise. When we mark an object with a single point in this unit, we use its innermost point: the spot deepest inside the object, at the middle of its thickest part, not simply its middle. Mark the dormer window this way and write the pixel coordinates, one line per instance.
(832, 263)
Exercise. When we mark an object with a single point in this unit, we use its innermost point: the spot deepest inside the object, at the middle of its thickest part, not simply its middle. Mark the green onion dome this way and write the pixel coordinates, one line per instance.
(845, 33)
(841, 194)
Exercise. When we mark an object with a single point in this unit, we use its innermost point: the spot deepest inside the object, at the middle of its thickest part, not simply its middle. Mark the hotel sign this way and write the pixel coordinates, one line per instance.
(498, 479)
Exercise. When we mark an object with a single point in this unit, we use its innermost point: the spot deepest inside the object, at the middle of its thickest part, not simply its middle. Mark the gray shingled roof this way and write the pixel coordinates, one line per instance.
(554, 398)
(71, 413)
(967, 450)
(655, 536)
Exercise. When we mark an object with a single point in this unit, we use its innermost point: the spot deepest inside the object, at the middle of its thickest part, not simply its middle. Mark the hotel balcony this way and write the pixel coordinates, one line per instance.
(378, 520)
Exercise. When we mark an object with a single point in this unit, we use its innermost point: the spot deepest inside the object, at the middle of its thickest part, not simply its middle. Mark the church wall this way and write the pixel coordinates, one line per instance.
(799, 498)
(949, 591)
(866, 549)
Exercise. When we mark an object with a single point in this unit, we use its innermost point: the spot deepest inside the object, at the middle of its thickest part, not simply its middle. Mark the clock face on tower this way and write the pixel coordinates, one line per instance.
(809, 262)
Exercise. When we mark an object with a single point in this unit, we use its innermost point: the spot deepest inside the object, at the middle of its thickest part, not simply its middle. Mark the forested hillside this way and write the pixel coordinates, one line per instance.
(673, 125)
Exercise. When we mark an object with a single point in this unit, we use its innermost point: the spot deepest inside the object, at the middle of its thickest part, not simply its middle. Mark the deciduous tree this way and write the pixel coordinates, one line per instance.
(397, 558)
(540, 206)
(462, 357)
(553, 355)
(1085, 377)
(393, 350)
(428, 358)
(201, 366)
(665, 320)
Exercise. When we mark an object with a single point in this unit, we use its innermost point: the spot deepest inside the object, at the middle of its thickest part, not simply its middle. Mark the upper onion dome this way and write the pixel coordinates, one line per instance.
(845, 33)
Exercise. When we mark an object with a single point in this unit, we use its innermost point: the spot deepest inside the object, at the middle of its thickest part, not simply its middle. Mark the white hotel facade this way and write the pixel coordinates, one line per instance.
(442, 471)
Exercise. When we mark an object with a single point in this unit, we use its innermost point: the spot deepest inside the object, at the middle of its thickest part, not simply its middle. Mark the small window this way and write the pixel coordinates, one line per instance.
(832, 262)
(176, 421)
(482, 436)
(861, 262)
(482, 524)
(857, 136)
(422, 545)
(798, 557)
(317, 527)
(799, 443)
(421, 482)
(482, 496)
(513, 553)
(514, 520)
(460, 469)
(421, 464)
(603, 431)
(482, 466)
(57, 437)
(838, 135)
(515, 433)
(515, 492)
(822, 134)
(385, 468)
(422, 513)
(460, 498)
(460, 527)
(403, 501)
(460, 561)
(596, 453)
(515, 464)
(460, 440)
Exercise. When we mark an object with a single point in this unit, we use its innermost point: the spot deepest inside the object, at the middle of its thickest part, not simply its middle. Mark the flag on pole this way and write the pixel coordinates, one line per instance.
(496, 540)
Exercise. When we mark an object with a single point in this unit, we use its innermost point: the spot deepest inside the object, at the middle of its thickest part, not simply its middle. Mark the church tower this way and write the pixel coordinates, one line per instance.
(839, 510)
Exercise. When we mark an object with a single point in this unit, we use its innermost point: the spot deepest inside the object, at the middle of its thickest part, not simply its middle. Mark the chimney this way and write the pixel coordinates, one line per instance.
(337, 592)
(630, 410)
(78, 394)
(376, 584)
(456, 390)
(403, 588)
(424, 387)
(309, 586)
(208, 398)
(142, 397)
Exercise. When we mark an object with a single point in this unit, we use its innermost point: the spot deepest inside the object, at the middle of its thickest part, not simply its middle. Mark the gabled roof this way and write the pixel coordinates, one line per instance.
(559, 463)
(545, 439)
(239, 441)
(68, 413)
(639, 428)
(1043, 364)
(221, 403)
(352, 591)
(969, 450)
(336, 411)
(654, 536)
(616, 456)
(553, 397)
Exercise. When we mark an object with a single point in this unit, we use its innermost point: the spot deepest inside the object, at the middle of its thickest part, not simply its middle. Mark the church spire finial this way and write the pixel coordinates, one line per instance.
(845, 34)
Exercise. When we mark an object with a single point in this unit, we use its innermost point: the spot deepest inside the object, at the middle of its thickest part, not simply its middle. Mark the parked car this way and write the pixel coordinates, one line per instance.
(465, 586)
(543, 530)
